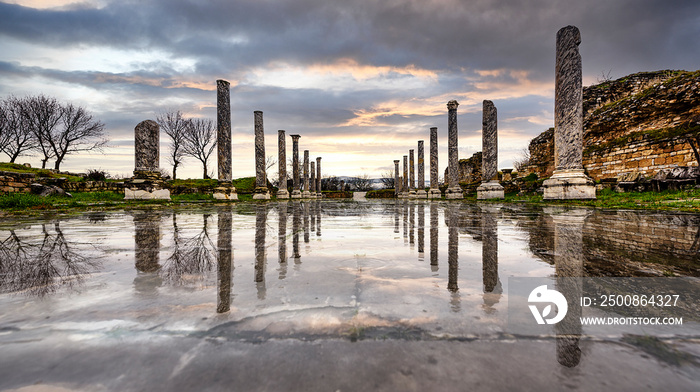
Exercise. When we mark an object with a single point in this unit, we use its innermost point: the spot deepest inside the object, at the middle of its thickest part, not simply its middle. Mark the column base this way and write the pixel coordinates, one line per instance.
(403, 195)
(434, 194)
(282, 194)
(490, 190)
(145, 194)
(306, 195)
(421, 194)
(261, 194)
(411, 194)
(319, 195)
(569, 184)
(296, 194)
(225, 193)
(454, 193)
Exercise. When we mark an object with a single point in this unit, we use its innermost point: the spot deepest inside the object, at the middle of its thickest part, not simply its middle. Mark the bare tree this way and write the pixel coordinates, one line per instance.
(80, 132)
(16, 138)
(362, 183)
(43, 115)
(175, 126)
(200, 141)
(388, 179)
(521, 163)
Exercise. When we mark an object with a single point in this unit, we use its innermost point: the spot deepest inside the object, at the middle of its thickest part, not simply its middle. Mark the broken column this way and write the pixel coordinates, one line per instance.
(318, 178)
(397, 185)
(282, 193)
(490, 188)
(306, 194)
(420, 191)
(569, 180)
(453, 191)
(296, 193)
(225, 190)
(411, 176)
(434, 192)
(261, 192)
(147, 182)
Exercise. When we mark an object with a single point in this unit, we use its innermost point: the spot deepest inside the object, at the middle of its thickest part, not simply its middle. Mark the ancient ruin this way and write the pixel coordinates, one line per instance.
(282, 193)
(261, 192)
(434, 192)
(453, 191)
(147, 182)
(296, 192)
(569, 180)
(225, 190)
(490, 188)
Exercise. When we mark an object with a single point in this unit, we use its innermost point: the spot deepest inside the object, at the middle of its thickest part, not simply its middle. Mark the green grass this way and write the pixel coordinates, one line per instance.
(22, 201)
(17, 168)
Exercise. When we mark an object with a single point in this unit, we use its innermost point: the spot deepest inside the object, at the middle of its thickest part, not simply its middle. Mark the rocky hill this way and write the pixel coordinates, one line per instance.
(640, 123)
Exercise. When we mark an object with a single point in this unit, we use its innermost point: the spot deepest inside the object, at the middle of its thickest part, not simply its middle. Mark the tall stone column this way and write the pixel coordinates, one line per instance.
(306, 194)
(420, 191)
(147, 182)
(490, 188)
(223, 130)
(569, 180)
(434, 192)
(282, 193)
(225, 191)
(397, 185)
(454, 191)
(312, 180)
(261, 192)
(318, 177)
(296, 193)
(411, 175)
(404, 183)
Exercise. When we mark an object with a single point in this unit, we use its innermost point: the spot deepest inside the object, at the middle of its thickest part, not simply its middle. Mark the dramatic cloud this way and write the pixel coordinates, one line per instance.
(362, 81)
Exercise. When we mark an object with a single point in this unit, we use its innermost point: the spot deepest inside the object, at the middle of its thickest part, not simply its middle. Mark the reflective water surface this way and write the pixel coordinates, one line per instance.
(413, 278)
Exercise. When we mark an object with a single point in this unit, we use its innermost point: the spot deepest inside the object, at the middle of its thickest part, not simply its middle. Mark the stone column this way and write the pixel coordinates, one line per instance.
(404, 183)
(434, 192)
(312, 180)
(569, 180)
(296, 193)
(261, 192)
(490, 188)
(420, 191)
(147, 182)
(411, 175)
(318, 178)
(454, 191)
(223, 130)
(223, 142)
(397, 185)
(306, 194)
(282, 193)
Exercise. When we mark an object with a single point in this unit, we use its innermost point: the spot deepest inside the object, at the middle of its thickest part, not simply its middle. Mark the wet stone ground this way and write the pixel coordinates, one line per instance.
(328, 295)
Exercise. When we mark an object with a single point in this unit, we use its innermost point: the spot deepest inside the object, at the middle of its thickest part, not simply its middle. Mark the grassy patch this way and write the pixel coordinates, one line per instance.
(21, 201)
(380, 194)
(17, 168)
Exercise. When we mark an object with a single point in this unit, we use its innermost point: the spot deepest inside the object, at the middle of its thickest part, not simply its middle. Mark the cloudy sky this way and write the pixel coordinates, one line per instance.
(361, 81)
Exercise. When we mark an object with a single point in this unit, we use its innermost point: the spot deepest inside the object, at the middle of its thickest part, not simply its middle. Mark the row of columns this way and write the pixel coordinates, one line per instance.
(312, 181)
(568, 181)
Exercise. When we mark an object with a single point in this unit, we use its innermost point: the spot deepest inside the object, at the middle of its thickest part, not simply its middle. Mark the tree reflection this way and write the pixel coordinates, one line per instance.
(41, 267)
(192, 256)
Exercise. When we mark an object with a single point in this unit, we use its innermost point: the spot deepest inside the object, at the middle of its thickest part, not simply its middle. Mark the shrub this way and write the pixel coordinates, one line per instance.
(96, 175)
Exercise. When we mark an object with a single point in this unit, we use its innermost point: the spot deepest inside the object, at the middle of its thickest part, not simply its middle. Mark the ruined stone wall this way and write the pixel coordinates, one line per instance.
(12, 182)
(469, 169)
(633, 124)
(643, 156)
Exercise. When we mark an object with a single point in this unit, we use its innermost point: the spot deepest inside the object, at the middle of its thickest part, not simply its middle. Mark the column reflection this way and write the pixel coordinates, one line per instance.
(224, 259)
(452, 220)
(434, 233)
(260, 259)
(282, 239)
(421, 231)
(489, 256)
